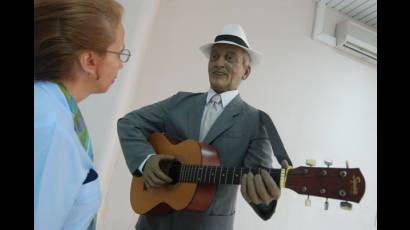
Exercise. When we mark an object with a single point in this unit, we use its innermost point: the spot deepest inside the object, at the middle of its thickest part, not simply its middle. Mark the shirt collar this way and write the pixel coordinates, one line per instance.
(226, 96)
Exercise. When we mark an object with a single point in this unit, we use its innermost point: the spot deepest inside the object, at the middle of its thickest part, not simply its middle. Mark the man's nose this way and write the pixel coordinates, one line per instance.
(220, 62)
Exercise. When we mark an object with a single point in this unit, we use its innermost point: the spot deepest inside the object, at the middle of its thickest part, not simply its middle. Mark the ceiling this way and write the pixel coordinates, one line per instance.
(364, 11)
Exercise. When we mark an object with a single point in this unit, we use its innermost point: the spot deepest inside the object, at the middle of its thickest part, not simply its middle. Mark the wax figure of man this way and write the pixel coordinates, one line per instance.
(219, 118)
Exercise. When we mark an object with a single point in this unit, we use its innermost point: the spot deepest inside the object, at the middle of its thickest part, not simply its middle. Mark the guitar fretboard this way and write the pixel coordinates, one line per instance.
(216, 174)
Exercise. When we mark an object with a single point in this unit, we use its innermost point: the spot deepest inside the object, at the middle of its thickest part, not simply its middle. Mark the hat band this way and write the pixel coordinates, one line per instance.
(231, 38)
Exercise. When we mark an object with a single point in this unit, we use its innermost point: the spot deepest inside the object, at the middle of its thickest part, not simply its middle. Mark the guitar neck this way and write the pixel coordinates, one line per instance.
(338, 183)
(216, 174)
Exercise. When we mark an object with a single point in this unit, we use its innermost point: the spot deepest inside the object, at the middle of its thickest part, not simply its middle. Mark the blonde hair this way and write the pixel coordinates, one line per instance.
(65, 28)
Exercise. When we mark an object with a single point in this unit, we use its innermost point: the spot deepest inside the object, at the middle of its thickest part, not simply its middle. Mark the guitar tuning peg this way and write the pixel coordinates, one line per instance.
(326, 205)
(347, 164)
(346, 205)
(307, 202)
(311, 162)
(329, 162)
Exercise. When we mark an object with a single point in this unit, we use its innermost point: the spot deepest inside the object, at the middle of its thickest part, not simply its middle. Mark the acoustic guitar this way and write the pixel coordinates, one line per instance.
(196, 174)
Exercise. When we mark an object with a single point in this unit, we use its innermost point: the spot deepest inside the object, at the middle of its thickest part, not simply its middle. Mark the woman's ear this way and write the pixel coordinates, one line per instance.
(88, 62)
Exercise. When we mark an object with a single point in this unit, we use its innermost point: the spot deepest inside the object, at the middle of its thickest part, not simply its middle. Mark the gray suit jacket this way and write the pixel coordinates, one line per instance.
(238, 134)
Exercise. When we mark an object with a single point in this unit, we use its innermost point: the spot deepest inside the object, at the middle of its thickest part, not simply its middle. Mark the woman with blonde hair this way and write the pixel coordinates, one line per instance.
(78, 51)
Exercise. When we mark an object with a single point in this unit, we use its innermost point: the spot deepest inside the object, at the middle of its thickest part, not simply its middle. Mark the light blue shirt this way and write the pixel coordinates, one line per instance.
(226, 98)
(61, 201)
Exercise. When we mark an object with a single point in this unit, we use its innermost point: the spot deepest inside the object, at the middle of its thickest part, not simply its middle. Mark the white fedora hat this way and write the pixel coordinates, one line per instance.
(233, 34)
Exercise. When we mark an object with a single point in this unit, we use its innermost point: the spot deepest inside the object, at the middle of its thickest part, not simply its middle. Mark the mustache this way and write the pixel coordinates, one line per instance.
(218, 71)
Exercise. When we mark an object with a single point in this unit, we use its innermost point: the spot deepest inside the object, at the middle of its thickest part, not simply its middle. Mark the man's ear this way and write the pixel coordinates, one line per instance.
(88, 62)
(247, 72)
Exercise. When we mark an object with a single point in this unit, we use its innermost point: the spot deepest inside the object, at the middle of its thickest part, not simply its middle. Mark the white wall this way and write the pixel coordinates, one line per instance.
(322, 101)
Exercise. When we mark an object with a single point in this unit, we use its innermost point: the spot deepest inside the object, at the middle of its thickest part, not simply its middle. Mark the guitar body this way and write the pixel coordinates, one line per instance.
(179, 196)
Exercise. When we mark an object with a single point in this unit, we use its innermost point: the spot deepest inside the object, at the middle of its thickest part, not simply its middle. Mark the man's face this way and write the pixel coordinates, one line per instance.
(226, 67)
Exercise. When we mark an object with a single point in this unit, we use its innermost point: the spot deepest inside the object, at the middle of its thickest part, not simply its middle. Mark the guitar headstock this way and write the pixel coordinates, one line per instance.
(346, 184)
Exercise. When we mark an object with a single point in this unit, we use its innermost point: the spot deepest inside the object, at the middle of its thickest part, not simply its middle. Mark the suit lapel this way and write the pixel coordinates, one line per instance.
(225, 120)
(195, 116)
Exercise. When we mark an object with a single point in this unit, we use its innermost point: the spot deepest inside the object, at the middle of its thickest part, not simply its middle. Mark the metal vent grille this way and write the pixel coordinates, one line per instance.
(364, 11)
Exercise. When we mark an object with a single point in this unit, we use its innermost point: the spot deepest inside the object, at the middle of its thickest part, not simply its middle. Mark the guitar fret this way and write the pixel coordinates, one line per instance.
(210, 174)
(226, 174)
(206, 173)
(216, 174)
(194, 168)
(216, 168)
(187, 173)
(240, 177)
(194, 174)
(206, 168)
(216, 181)
(182, 173)
(209, 181)
(220, 174)
(198, 175)
(191, 173)
(233, 175)
(202, 174)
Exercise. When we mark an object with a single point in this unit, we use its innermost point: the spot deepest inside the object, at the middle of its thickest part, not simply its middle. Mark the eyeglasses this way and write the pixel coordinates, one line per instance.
(124, 54)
